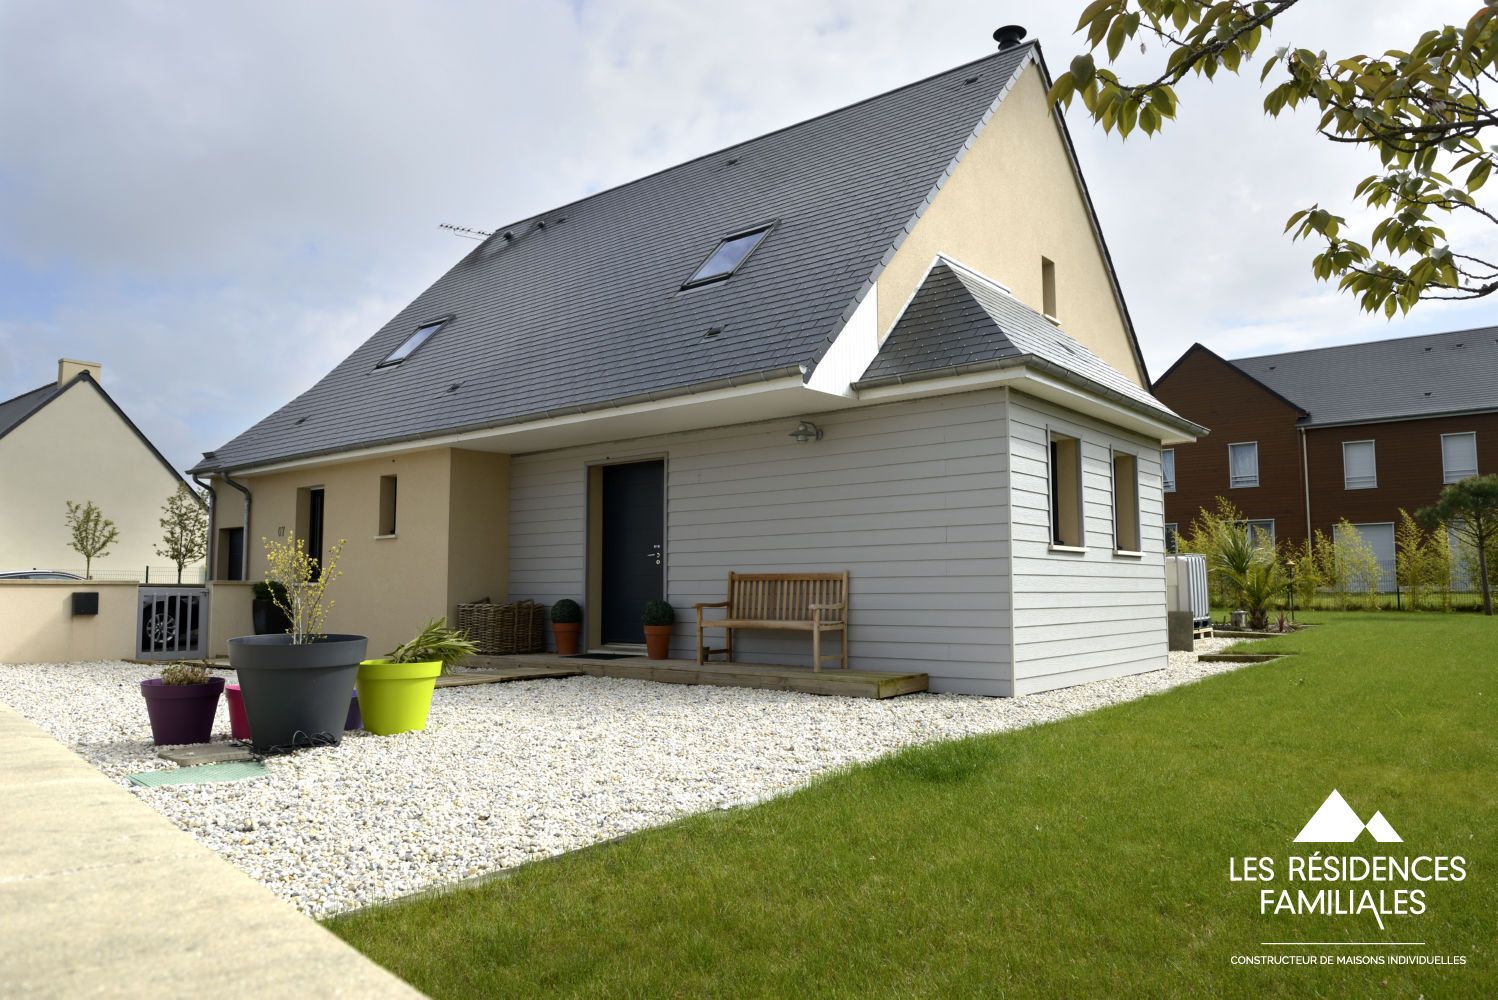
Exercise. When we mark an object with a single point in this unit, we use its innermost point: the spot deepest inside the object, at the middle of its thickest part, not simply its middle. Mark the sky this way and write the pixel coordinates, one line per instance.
(219, 201)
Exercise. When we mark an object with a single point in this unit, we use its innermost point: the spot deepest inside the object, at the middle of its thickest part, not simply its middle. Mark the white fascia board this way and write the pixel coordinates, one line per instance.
(1033, 383)
(852, 351)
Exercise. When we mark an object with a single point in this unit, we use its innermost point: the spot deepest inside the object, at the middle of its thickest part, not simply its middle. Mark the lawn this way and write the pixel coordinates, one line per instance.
(1084, 858)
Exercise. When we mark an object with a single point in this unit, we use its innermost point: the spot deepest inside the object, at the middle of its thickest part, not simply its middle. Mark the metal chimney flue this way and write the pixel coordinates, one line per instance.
(1009, 36)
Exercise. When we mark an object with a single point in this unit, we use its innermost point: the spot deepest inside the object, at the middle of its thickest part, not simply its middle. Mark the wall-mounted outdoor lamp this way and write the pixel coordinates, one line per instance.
(806, 431)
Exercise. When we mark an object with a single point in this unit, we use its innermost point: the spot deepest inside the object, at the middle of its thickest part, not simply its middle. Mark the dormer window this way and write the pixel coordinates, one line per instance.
(728, 257)
(410, 345)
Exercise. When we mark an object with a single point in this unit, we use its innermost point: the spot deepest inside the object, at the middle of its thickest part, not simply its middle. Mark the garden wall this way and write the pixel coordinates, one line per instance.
(37, 624)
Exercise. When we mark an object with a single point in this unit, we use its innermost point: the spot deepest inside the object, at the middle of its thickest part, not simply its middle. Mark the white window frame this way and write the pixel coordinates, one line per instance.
(1243, 444)
(1169, 482)
(1172, 530)
(1053, 504)
(1118, 549)
(1447, 476)
(1347, 481)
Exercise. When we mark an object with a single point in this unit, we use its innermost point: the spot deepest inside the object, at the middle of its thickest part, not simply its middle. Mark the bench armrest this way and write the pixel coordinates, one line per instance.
(714, 604)
(840, 606)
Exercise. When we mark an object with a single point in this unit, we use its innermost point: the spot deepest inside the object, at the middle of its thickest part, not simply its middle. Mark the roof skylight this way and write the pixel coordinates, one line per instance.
(408, 347)
(728, 257)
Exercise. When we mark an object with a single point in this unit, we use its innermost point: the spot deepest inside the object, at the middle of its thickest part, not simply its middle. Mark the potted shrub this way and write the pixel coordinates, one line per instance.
(659, 617)
(566, 623)
(265, 610)
(395, 693)
(297, 685)
(182, 703)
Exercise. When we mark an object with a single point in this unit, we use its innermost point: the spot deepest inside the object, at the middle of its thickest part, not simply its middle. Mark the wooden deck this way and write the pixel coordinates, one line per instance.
(843, 683)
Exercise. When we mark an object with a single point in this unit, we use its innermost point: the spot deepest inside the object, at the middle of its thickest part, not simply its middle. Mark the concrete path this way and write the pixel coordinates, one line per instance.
(102, 895)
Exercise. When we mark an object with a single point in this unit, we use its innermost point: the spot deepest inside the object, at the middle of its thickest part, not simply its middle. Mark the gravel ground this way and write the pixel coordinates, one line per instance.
(508, 773)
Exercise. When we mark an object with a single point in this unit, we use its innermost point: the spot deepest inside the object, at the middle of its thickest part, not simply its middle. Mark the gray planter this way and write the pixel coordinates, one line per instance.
(296, 695)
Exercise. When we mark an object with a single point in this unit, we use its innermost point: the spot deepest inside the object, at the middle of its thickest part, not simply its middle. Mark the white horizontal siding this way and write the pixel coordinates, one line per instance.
(1082, 617)
(910, 498)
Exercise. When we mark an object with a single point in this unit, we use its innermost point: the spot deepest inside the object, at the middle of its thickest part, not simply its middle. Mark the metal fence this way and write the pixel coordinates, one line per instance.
(172, 623)
(159, 575)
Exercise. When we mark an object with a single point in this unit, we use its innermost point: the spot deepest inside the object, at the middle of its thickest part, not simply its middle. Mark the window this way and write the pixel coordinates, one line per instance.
(1172, 537)
(410, 344)
(1379, 537)
(310, 506)
(1359, 468)
(1125, 502)
(1243, 464)
(1066, 491)
(1260, 532)
(387, 505)
(1168, 469)
(728, 257)
(1458, 456)
(1048, 287)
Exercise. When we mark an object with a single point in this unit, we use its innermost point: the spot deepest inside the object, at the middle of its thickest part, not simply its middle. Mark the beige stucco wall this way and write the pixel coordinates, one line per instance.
(1012, 200)
(450, 541)
(37, 623)
(229, 614)
(77, 448)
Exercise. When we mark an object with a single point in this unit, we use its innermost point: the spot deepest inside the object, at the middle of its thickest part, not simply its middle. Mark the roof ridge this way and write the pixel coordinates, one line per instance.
(1364, 343)
(1032, 43)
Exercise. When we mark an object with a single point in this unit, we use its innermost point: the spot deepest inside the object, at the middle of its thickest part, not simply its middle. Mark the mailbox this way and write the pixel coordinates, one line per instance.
(85, 602)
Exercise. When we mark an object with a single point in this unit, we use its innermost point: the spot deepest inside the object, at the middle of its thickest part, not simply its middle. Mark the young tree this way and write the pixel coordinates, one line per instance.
(1469, 510)
(1412, 558)
(1420, 110)
(92, 532)
(1357, 568)
(184, 525)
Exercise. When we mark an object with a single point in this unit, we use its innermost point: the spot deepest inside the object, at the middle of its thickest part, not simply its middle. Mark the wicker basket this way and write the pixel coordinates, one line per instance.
(504, 629)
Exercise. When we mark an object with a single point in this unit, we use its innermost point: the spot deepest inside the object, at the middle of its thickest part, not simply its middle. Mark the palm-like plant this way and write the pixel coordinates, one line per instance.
(1231, 555)
(1260, 585)
(435, 643)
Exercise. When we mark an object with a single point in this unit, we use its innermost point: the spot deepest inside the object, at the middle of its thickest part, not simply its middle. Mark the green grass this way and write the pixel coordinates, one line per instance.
(1085, 858)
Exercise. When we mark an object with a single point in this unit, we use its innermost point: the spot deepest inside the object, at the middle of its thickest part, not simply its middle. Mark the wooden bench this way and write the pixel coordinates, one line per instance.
(788, 602)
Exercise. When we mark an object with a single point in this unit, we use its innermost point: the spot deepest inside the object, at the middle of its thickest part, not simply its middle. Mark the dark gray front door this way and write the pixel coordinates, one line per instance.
(633, 547)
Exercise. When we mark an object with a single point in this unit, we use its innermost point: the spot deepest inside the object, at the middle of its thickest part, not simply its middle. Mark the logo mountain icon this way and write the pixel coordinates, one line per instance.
(1336, 823)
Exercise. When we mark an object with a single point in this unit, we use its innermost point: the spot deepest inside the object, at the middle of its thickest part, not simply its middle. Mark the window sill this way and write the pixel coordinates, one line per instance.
(382, 538)
(1073, 549)
(1349, 488)
(1053, 319)
(1128, 554)
(1243, 486)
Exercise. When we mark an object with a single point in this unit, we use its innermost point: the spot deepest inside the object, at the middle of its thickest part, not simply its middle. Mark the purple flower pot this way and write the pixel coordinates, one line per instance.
(354, 720)
(181, 713)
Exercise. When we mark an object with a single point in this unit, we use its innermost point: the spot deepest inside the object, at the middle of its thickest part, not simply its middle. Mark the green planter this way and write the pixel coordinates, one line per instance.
(396, 697)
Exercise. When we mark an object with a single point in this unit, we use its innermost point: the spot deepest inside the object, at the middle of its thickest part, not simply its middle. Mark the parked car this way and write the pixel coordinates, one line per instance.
(40, 574)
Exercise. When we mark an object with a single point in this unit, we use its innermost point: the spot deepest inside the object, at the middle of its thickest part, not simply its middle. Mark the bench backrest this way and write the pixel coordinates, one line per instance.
(783, 597)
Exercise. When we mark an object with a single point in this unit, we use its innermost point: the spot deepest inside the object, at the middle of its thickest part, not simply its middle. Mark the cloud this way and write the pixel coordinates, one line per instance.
(220, 201)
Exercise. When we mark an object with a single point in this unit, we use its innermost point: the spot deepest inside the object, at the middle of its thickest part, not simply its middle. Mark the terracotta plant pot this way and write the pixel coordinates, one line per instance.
(566, 636)
(658, 641)
(181, 713)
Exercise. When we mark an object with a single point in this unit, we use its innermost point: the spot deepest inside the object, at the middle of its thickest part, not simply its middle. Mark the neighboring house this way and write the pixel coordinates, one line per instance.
(887, 340)
(1305, 439)
(69, 440)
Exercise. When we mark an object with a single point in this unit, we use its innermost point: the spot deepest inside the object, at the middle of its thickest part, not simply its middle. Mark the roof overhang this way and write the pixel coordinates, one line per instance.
(772, 396)
(1038, 377)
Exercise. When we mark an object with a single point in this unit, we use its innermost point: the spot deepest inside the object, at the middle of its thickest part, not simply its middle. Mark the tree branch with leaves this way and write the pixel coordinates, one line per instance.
(1420, 111)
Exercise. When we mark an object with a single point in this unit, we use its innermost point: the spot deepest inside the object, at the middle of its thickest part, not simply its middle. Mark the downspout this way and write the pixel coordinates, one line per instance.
(244, 570)
(1305, 479)
(207, 488)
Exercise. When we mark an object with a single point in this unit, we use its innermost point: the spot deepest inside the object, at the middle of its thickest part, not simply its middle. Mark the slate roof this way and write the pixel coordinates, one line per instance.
(1386, 379)
(582, 306)
(959, 321)
(18, 408)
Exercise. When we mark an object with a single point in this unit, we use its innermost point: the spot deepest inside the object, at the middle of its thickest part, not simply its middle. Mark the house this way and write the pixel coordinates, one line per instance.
(888, 340)
(1305, 439)
(68, 440)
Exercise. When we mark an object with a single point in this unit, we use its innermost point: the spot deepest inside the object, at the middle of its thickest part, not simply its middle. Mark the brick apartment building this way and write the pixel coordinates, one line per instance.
(1303, 439)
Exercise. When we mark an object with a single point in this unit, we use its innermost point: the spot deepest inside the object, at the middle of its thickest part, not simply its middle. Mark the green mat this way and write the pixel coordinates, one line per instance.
(200, 775)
